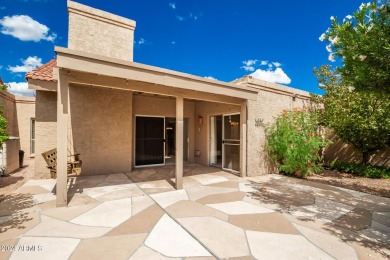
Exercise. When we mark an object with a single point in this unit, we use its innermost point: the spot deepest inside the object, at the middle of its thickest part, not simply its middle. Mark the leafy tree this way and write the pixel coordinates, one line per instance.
(362, 41)
(358, 118)
(3, 123)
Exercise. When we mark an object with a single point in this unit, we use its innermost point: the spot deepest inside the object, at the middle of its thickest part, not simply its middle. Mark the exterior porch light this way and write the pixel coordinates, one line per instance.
(200, 122)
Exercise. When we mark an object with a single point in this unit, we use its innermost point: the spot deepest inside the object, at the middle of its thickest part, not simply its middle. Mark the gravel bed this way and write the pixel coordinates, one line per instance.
(380, 187)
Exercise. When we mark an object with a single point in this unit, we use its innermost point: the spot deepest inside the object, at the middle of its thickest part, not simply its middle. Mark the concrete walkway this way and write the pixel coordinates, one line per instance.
(139, 215)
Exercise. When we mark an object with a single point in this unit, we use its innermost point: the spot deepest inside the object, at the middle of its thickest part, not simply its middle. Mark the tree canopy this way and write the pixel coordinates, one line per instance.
(356, 103)
(362, 42)
(358, 118)
(3, 123)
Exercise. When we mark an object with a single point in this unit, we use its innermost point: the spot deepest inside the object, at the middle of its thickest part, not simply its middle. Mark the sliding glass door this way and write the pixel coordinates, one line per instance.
(224, 142)
(149, 141)
(231, 142)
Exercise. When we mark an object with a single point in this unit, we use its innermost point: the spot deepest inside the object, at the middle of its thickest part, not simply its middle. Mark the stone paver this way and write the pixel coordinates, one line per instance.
(283, 246)
(102, 247)
(322, 209)
(145, 252)
(45, 248)
(176, 241)
(166, 199)
(239, 207)
(47, 184)
(355, 220)
(142, 222)
(206, 179)
(199, 192)
(222, 197)
(140, 203)
(269, 222)
(52, 227)
(139, 215)
(107, 214)
(222, 238)
(190, 208)
(330, 244)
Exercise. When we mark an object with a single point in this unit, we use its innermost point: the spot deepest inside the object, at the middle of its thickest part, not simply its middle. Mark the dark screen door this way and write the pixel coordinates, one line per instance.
(149, 141)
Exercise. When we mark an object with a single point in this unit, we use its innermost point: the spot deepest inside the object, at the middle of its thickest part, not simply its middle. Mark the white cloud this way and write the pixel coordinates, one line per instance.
(264, 62)
(32, 62)
(2, 8)
(275, 76)
(249, 65)
(210, 77)
(180, 18)
(276, 64)
(141, 41)
(193, 16)
(173, 42)
(172, 5)
(25, 28)
(20, 89)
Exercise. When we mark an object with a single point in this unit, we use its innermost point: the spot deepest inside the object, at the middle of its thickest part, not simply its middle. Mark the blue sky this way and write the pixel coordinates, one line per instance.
(222, 39)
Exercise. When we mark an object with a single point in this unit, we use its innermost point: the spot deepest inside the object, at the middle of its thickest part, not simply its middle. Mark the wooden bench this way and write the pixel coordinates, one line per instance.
(74, 164)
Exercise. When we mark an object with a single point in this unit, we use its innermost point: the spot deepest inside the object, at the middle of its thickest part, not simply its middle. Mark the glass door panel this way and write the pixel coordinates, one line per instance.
(215, 141)
(149, 141)
(231, 142)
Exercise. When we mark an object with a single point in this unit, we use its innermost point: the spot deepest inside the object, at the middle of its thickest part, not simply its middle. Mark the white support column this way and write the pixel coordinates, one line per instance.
(62, 135)
(243, 133)
(179, 142)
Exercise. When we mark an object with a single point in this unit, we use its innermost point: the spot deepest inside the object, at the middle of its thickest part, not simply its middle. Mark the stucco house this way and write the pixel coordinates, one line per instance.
(120, 115)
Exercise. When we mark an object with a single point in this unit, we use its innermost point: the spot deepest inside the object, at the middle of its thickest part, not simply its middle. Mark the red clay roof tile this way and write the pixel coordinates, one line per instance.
(45, 72)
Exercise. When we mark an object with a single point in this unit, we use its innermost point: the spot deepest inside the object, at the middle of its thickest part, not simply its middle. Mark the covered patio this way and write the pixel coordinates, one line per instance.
(99, 99)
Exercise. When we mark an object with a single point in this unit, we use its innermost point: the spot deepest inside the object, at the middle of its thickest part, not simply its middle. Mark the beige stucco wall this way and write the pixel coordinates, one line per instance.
(25, 107)
(7, 101)
(102, 129)
(10, 155)
(163, 106)
(98, 32)
(267, 106)
(205, 110)
(45, 128)
(18, 112)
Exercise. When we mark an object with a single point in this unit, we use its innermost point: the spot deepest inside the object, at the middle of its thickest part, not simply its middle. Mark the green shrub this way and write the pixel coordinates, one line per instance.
(3, 122)
(364, 170)
(294, 142)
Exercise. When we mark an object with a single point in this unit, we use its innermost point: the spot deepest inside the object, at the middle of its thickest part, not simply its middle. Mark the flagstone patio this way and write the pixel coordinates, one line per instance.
(139, 215)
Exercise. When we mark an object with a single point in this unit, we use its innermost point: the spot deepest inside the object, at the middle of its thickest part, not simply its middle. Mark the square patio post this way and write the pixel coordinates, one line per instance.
(179, 142)
(62, 134)
(243, 123)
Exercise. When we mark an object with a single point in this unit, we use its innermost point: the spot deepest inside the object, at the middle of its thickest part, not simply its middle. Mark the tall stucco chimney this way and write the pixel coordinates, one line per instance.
(98, 32)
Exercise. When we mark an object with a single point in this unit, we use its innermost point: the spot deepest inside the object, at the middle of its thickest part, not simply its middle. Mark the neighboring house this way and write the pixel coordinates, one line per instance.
(119, 114)
(20, 115)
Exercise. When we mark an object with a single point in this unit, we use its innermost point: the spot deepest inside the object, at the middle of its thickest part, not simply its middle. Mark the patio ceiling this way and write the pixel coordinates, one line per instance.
(99, 71)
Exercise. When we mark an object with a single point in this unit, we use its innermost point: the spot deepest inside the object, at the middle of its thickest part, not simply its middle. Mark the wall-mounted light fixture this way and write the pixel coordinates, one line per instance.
(200, 121)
